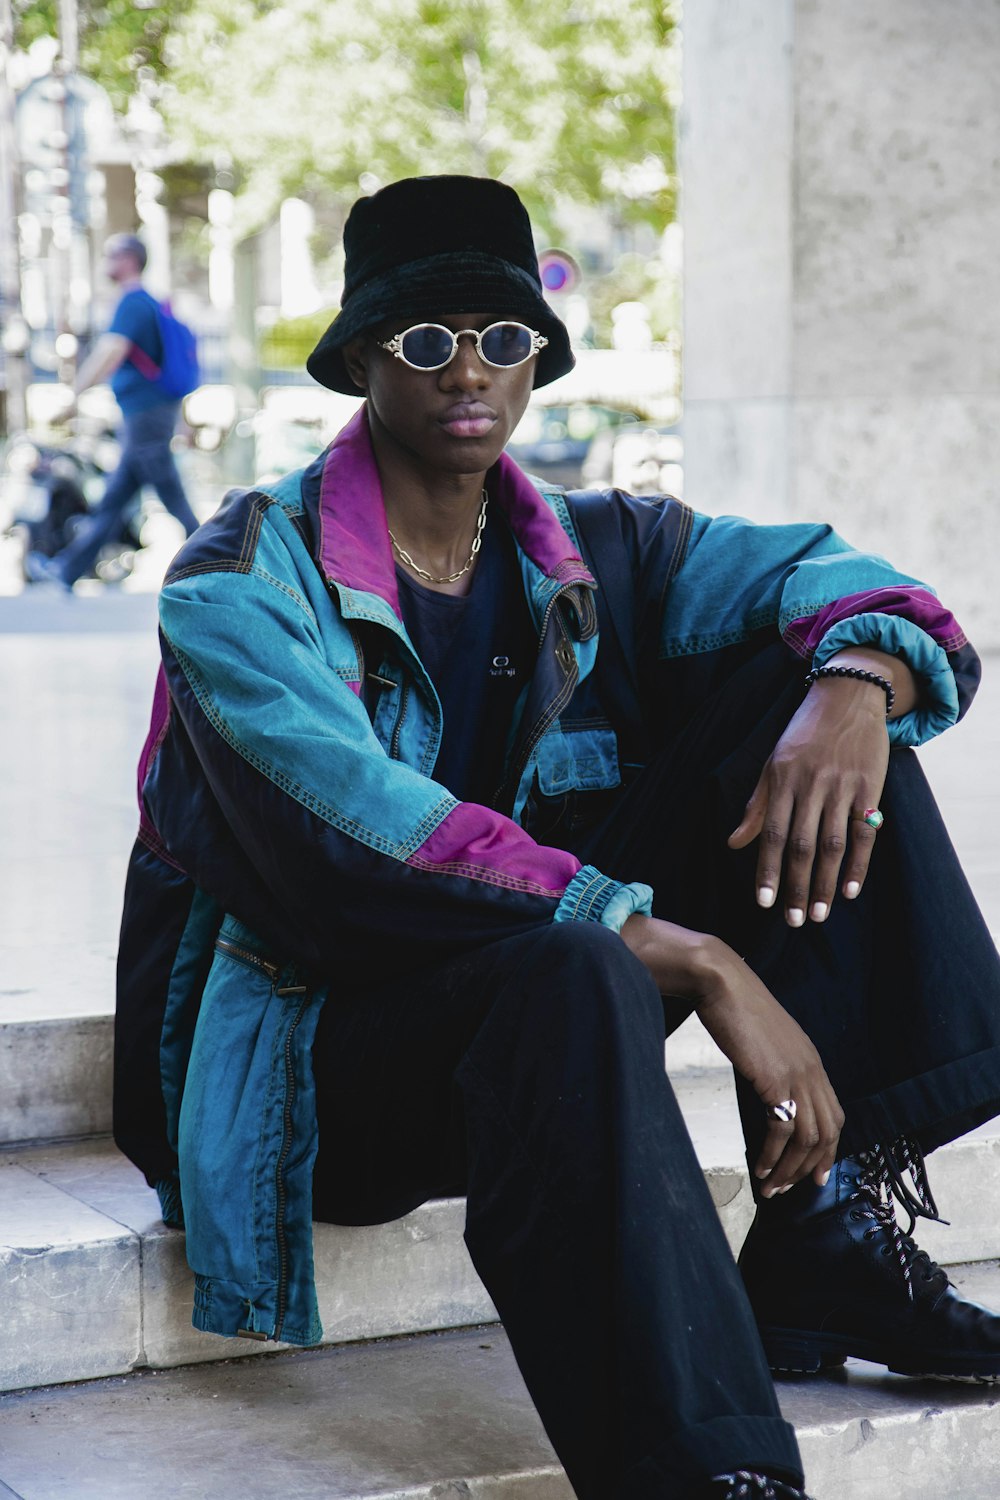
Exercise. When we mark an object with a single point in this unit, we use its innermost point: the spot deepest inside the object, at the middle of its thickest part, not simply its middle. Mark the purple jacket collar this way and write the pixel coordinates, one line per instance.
(353, 546)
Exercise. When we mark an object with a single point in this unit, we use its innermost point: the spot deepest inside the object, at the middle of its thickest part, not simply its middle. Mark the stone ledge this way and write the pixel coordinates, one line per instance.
(96, 1284)
(55, 1073)
(55, 1077)
(439, 1417)
(71, 1274)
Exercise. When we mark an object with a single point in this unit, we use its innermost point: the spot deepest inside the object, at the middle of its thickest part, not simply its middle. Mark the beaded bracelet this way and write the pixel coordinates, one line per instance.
(861, 675)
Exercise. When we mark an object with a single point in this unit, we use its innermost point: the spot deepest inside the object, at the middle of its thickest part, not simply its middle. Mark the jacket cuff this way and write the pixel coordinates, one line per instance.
(168, 1190)
(593, 897)
(938, 706)
(248, 1309)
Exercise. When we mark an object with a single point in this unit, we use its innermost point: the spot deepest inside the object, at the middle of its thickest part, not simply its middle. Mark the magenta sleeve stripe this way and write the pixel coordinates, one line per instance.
(159, 718)
(917, 605)
(158, 725)
(481, 845)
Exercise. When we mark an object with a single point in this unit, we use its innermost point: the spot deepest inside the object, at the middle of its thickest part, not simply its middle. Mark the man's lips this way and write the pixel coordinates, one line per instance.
(468, 419)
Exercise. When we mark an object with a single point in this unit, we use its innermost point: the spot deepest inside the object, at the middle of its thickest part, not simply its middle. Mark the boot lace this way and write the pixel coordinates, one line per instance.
(881, 1185)
(744, 1485)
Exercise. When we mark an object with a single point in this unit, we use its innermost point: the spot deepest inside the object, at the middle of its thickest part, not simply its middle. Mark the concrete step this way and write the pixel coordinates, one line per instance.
(440, 1416)
(96, 1285)
(55, 1071)
(55, 1077)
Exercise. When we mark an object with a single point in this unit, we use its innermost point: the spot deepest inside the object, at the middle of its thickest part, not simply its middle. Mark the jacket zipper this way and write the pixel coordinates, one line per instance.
(286, 1146)
(255, 961)
(248, 956)
(400, 716)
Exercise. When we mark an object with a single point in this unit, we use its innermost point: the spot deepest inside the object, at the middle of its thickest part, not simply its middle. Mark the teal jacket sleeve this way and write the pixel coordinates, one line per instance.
(822, 596)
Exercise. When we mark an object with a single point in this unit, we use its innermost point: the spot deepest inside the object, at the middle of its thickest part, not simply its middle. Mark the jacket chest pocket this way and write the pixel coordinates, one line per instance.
(578, 757)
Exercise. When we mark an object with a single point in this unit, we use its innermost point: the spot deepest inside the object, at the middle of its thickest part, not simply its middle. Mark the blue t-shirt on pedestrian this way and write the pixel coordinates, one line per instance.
(137, 320)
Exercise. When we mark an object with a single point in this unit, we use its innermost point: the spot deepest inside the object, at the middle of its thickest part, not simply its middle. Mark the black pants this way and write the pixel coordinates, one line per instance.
(899, 990)
(146, 458)
(530, 1075)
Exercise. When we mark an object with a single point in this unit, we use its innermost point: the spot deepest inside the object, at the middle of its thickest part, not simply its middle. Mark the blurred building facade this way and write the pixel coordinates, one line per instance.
(840, 166)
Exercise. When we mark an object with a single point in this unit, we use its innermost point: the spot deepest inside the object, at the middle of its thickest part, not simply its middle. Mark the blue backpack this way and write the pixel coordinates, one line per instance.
(178, 374)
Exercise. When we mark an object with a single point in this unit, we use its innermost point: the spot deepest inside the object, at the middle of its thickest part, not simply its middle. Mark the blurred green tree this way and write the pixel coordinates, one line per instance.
(570, 101)
(122, 42)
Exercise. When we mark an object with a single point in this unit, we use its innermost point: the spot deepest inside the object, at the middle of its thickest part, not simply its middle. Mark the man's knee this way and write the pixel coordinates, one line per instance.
(574, 947)
(586, 970)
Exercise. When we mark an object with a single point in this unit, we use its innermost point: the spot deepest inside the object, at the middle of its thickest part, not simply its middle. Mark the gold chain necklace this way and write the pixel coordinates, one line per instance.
(477, 542)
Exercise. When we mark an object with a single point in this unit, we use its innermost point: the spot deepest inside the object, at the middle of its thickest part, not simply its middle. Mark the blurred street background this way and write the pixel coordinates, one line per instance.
(808, 192)
(234, 138)
(76, 679)
(771, 230)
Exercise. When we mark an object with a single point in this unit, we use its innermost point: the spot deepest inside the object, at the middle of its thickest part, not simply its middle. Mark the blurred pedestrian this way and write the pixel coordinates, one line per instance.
(130, 355)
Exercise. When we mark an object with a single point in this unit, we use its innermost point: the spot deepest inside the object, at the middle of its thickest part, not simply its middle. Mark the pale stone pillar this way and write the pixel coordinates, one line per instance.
(840, 166)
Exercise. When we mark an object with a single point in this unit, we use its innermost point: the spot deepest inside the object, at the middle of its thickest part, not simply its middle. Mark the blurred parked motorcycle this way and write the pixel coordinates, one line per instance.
(47, 488)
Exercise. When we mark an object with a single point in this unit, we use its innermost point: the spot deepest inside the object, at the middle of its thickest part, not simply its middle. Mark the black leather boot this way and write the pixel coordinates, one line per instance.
(830, 1273)
(744, 1485)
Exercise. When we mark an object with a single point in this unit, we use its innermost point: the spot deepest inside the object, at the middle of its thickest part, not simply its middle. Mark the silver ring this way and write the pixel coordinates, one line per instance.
(785, 1111)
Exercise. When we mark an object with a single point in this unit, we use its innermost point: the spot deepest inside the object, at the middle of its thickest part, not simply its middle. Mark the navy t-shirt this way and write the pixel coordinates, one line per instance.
(479, 651)
(135, 317)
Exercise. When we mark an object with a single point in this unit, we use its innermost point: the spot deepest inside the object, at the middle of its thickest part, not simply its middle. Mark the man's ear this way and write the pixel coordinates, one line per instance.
(354, 360)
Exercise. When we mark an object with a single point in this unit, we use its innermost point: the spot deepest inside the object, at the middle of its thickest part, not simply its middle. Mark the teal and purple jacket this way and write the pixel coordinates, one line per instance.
(292, 833)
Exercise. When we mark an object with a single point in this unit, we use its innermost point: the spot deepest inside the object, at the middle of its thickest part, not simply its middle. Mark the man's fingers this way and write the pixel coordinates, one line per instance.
(822, 844)
(819, 849)
(753, 817)
(801, 1148)
(800, 1153)
(803, 848)
(772, 844)
(779, 1133)
(830, 850)
(800, 860)
(860, 843)
(831, 1121)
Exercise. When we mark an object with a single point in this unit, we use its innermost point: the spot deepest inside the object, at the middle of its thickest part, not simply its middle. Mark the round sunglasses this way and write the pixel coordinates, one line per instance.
(431, 346)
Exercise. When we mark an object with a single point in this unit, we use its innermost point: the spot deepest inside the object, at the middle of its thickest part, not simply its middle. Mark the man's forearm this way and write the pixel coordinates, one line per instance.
(103, 360)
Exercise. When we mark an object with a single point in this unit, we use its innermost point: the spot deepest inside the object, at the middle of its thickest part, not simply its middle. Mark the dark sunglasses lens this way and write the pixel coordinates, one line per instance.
(506, 344)
(427, 346)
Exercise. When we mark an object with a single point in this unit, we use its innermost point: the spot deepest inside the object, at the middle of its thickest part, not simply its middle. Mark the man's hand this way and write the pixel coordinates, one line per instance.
(829, 765)
(762, 1041)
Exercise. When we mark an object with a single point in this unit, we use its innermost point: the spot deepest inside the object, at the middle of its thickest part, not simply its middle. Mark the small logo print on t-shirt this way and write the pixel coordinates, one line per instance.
(502, 666)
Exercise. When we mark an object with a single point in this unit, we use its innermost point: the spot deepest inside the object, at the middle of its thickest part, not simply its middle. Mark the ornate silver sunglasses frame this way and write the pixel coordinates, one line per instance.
(395, 344)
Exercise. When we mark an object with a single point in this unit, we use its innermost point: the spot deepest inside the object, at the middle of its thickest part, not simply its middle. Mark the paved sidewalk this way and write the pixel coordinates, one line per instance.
(76, 680)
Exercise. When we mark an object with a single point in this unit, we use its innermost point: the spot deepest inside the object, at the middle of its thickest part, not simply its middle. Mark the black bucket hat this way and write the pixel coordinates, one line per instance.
(432, 245)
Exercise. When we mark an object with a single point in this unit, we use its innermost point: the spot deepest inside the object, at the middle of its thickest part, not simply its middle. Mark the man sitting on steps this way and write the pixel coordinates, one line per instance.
(459, 793)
